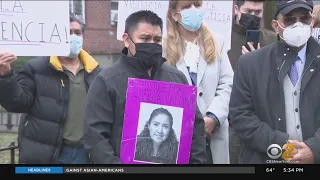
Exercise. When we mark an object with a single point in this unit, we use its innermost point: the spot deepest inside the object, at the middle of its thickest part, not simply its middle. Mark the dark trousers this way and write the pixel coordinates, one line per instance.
(234, 147)
(209, 161)
(70, 155)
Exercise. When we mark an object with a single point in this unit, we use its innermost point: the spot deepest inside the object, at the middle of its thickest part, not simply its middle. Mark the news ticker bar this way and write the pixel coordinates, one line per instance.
(134, 170)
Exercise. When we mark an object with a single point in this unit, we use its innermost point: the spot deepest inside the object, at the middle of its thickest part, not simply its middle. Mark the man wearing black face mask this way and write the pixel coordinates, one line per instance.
(146, 55)
(248, 15)
(105, 105)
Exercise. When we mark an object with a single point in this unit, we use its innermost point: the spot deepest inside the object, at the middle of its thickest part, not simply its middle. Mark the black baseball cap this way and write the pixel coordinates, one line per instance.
(285, 6)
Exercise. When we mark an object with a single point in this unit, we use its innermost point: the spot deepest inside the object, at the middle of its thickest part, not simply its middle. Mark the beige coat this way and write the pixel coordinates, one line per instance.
(214, 84)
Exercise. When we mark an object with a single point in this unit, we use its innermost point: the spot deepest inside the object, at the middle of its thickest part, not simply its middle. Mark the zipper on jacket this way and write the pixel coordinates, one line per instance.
(280, 69)
(64, 114)
(62, 83)
(61, 91)
(308, 67)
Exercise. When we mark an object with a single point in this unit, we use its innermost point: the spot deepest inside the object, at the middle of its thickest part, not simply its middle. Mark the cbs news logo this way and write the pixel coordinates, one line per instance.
(275, 151)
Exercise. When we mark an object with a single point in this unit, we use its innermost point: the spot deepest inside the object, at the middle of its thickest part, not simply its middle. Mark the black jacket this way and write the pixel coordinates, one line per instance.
(105, 106)
(40, 90)
(257, 107)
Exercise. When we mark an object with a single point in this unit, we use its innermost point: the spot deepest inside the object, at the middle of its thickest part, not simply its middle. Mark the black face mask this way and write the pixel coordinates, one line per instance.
(149, 54)
(251, 22)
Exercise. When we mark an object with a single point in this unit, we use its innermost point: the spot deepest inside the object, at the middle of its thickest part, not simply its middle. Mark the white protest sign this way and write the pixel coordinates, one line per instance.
(127, 7)
(218, 16)
(34, 28)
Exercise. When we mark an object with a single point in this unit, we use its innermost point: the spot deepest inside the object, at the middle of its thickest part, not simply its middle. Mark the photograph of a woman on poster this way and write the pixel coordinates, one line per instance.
(157, 142)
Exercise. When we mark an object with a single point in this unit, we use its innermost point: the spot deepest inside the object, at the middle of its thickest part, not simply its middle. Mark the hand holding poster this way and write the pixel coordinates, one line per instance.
(34, 28)
(159, 120)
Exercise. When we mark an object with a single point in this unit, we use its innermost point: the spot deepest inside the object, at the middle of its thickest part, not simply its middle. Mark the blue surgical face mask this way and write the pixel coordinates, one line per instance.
(76, 43)
(192, 18)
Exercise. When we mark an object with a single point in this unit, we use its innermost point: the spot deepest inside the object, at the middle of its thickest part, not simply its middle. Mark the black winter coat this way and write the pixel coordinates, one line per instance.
(257, 106)
(41, 91)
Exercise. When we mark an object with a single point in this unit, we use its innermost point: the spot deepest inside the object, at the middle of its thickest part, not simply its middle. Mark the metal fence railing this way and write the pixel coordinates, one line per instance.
(9, 122)
(12, 148)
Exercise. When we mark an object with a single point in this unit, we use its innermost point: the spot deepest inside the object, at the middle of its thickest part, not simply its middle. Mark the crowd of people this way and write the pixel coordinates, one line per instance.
(248, 97)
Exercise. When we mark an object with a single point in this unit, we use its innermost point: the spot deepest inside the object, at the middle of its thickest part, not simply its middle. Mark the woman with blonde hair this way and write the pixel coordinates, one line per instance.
(200, 55)
(316, 24)
(316, 13)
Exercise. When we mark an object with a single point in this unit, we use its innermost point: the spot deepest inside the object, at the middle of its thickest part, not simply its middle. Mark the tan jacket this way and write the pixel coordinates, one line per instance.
(238, 39)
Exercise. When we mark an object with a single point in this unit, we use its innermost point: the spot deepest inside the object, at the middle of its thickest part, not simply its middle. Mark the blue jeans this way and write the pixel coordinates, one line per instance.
(69, 155)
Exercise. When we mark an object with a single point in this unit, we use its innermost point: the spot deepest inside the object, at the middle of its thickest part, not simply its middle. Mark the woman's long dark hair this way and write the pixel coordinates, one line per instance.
(168, 149)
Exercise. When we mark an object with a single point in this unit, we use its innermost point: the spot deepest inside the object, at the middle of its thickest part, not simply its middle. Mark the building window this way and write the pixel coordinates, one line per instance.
(114, 12)
(77, 7)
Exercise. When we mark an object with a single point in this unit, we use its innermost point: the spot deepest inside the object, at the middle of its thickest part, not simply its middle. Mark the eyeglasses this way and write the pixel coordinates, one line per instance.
(289, 20)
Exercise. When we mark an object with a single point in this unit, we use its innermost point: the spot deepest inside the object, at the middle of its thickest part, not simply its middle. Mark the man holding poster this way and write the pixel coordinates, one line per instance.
(105, 106)
(50, 91)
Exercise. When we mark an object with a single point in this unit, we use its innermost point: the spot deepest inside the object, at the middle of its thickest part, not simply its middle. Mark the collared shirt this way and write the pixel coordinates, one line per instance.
(73, 128)
(292, 99)
(300, 63)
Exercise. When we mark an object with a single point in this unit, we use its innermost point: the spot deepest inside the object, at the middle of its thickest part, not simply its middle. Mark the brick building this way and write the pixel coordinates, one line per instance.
(101, 29)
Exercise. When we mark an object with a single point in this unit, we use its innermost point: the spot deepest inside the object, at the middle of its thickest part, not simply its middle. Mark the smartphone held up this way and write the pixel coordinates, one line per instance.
(252, 36)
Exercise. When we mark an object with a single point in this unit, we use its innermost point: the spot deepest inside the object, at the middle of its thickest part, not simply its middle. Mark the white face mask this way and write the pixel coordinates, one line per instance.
(297, 34)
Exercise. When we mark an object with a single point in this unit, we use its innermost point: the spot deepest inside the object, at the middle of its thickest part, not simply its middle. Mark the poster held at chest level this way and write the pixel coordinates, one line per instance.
(158, 122)
(34, 28)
